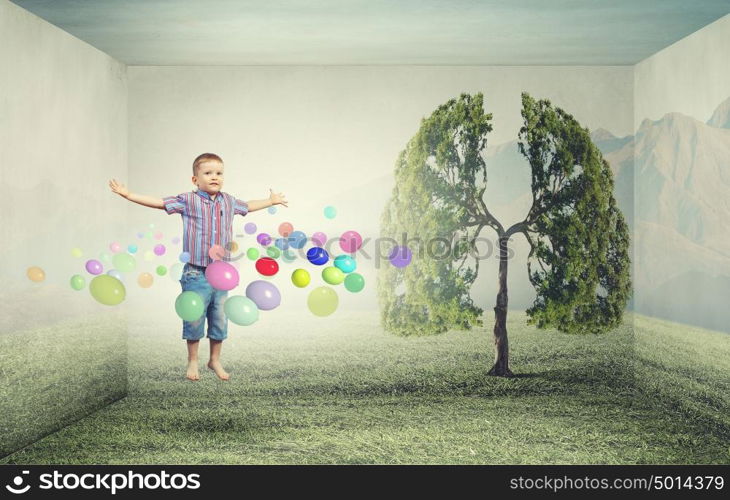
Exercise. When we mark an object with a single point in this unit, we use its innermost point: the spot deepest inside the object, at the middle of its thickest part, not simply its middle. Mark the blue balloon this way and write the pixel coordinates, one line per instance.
(132, 248)
(297, 239)
(317, 256)
(281, 243)
(272, 210)
(345, 263)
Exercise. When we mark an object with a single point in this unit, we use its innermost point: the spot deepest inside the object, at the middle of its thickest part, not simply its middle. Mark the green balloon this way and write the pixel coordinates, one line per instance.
(161, 270)
(354, 282)
(322, 301)
(241, 310)
(288, 256)
(189, 306)
(252, 253)
(107, 290)
(273, 252)
(333, 275)
(77, 282)
(123, 262)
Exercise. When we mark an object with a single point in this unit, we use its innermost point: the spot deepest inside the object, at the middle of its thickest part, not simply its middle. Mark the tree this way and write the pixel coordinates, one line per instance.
(578, 261)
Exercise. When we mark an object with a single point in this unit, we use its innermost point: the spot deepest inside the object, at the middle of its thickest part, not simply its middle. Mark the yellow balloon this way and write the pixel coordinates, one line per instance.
(300, 278)
(76, 252)
(36, 274)
(145, 280)
(107, 290)
(322, 301)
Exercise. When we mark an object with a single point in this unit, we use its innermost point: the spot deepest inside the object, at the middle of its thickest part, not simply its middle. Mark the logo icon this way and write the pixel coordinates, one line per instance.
(18, 482)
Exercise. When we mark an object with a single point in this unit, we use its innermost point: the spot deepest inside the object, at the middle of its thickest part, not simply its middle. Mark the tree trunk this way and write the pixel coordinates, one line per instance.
(501, 359)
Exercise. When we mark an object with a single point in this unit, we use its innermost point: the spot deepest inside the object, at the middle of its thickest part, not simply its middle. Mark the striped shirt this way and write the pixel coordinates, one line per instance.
(206, 222)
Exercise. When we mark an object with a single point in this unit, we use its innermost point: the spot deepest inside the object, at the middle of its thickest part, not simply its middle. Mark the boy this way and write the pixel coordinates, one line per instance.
(207, 220)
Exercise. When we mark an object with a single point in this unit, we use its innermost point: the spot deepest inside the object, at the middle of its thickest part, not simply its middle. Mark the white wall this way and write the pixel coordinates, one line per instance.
(63, 132)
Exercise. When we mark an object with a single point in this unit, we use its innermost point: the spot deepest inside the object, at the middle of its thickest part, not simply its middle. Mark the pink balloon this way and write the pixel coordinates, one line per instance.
(216, 252)
(350, 241)
(319, 238)
(221, 275)
(115, 247)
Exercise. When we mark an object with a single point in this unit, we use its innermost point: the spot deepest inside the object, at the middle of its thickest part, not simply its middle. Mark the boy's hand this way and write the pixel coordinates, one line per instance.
(277, 198)
(118, 188)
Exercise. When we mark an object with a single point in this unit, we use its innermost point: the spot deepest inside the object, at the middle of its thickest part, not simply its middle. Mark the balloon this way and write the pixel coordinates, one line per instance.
(77, 282)
(176, 271)
(149, 255)
(317, 256)
(158, 235)
(161, 270)
(288, 256)
(350, 241)
(132, 248)
(221, 275)
(76, 252)
(148, 235)
(241, 310)
(232, 247)
(107, 290)
(267, 266)
(175, 240)
(189, 306)
(185, 257)
(330, 212)
(400, 256)
(345, 263)
(354, 282)
(319, 239)
(250, 228)
(322, 301)
(115, 247)
(105, 257)
(252, 253)
(35, 274)
(300, 278)
(140, 235)
(94, 266)
(114, 274)
(285, 228)
(297, 239)
(151, 225)
(263, 239)
(123, 262)
(273, 252)
(216, 252)
(281, 243)
(333, 275)
(264, 294)
(159, 249)
(272, 210)
(145, 280)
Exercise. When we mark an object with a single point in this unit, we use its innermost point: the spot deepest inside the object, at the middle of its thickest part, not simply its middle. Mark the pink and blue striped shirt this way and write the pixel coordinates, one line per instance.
(206, 222)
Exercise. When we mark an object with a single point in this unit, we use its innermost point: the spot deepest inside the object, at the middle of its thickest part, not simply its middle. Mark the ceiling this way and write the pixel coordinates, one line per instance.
(354, 32)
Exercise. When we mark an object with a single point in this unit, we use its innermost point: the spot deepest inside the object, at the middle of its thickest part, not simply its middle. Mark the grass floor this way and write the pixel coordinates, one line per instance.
(308, 390)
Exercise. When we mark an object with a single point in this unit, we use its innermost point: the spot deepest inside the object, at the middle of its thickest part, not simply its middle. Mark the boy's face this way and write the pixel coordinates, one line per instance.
(210, 177)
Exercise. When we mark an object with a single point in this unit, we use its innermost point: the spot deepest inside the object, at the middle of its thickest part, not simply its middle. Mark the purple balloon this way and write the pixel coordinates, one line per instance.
(400, 256)
(264, 294)
(250, 228)
(94, 266)
(264, 239)
(319, 238)
(159, 250)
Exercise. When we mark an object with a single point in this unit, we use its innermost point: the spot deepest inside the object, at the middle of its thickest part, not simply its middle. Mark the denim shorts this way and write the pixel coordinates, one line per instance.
(193, 280)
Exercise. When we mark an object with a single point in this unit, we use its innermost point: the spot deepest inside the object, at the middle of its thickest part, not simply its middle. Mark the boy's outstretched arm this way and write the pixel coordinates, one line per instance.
(147, 201)
(273, 199)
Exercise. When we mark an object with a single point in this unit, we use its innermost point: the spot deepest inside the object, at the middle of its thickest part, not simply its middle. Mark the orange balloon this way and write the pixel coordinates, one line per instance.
(36, 274)
(285, 228)
(145, 280)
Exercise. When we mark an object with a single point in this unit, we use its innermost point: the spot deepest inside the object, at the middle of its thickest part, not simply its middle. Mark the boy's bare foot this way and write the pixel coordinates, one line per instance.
(193, 371)
(218, 369)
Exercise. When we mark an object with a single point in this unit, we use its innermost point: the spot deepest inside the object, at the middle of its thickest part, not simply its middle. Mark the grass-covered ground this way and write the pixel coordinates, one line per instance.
(340, 390)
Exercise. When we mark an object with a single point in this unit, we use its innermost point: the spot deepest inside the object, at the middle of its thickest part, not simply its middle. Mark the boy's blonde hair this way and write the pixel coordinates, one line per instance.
(203, 158)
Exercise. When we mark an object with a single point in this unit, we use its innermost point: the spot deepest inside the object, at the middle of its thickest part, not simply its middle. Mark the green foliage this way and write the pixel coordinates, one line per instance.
(439, 178)
(578, 235)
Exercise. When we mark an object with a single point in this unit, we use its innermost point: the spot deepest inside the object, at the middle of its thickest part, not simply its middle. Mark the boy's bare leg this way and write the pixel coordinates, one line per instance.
(193, 360)
(214, 363)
